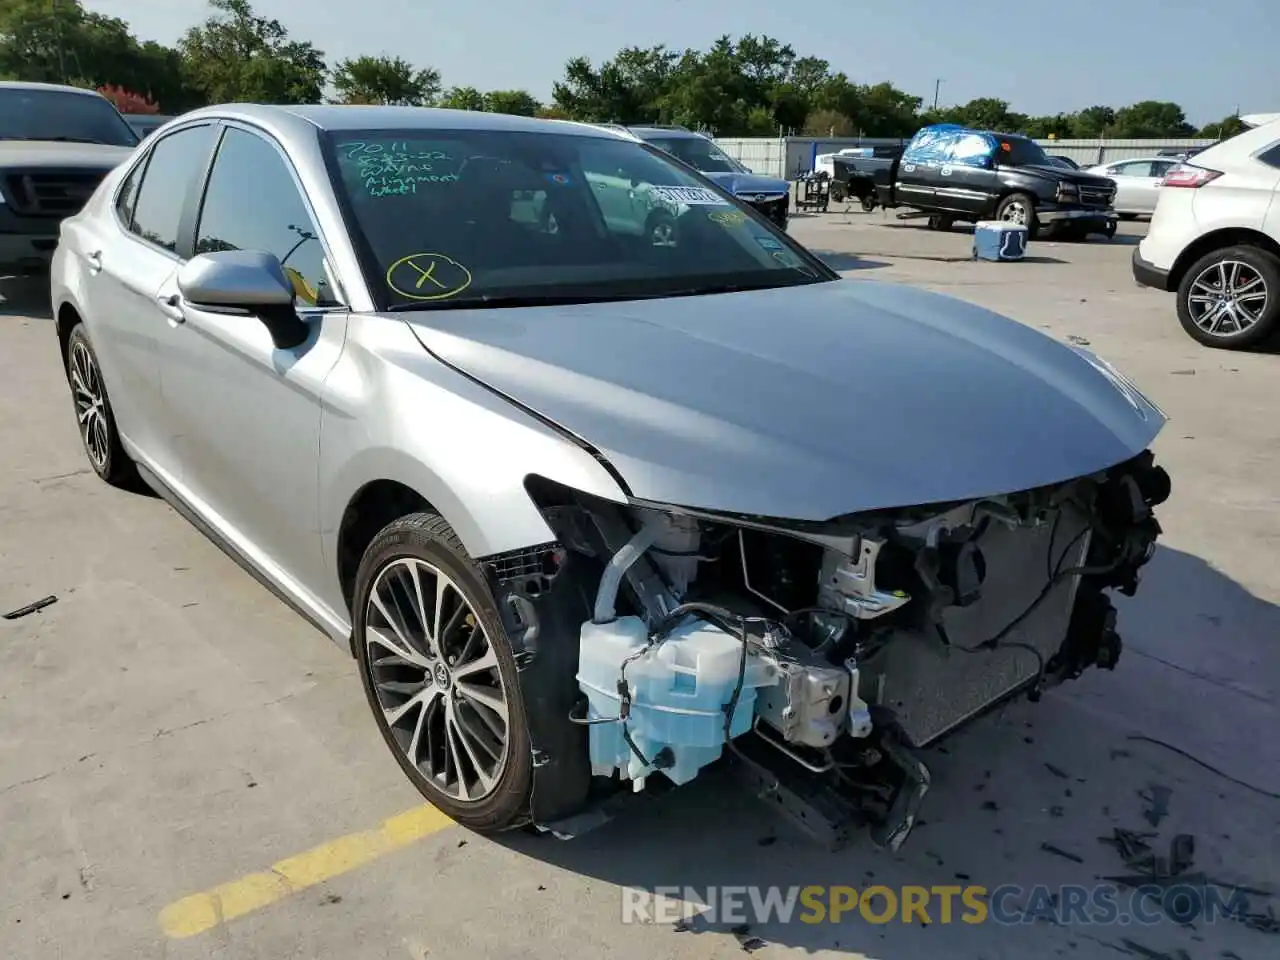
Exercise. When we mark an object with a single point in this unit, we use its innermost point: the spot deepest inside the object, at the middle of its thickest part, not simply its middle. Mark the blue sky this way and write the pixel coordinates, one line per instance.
(1041, 57)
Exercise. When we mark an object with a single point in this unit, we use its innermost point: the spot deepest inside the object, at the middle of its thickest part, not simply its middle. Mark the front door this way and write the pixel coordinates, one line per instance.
(127, 267)
(246, 415)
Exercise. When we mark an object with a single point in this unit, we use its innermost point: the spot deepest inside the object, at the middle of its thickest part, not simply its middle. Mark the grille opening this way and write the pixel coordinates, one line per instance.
(44, 194)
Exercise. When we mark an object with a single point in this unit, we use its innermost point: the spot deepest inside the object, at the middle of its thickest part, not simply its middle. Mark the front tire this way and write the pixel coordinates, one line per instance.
(94, 417)
(1230, 298)
(439, 674)
(1019, 208)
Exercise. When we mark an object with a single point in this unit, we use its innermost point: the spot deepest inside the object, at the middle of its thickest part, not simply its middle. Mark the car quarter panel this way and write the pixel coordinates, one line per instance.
(394, 412)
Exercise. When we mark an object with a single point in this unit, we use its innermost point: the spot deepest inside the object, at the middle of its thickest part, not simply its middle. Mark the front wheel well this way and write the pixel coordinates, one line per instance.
(1218, 240)
(374, 505)
(67, 320)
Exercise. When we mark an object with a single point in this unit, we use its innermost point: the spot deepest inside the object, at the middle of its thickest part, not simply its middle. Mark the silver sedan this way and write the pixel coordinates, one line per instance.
(597, 471)
(1137, 183)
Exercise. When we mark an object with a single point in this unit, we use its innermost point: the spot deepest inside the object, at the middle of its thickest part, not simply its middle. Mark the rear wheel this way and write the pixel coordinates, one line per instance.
(1230, 298)
(1020, 209)
(439, 674)
(94, 418)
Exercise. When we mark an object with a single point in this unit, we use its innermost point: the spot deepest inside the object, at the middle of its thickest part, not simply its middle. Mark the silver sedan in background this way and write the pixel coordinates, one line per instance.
(1137, 183)
(591, 501)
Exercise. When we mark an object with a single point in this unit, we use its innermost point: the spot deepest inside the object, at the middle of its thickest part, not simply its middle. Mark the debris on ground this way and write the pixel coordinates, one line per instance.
(746, 940)
(1151, 868)
(1128, 844)
(1057, 771)
(1139, 950)
(1157, 799)
(31, 608)
(1059, 852)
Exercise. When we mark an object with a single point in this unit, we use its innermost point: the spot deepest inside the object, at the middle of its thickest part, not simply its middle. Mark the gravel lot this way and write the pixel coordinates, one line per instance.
(167, 726)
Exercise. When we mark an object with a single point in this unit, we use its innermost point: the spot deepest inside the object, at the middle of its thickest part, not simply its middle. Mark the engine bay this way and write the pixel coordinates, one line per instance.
(822, 657)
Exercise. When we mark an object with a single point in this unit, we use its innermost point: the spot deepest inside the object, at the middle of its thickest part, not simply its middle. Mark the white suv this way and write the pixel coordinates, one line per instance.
(1215, 239)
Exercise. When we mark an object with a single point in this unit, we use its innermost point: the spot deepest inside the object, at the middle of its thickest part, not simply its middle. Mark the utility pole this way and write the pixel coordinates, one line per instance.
(937, 85)
(57, 26)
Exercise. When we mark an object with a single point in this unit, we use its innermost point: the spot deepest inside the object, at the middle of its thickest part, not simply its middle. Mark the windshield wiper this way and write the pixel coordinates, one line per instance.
(523, 300)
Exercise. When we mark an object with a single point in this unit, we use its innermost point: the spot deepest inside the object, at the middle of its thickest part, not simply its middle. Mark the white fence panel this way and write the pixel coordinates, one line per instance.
(766, 157)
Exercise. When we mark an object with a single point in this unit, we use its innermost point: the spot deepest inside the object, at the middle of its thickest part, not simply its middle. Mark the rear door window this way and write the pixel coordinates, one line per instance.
(176, 164)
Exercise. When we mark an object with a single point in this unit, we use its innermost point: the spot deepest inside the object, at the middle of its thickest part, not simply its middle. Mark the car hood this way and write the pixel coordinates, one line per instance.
(54, 153)
(807, 402)
(748, 183)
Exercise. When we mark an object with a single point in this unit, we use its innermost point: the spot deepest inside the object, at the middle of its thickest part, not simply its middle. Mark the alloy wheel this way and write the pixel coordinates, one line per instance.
(1015, 212)
(91, 405)
(436, 679)
(1227, 298)
(663, 234)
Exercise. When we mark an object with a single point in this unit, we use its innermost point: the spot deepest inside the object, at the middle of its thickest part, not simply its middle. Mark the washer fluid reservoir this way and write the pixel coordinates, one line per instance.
(679, 690)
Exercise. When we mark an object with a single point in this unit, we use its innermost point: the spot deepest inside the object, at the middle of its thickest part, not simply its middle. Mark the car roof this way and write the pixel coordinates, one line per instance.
(296, 118)
(36, 85)
(674, 133)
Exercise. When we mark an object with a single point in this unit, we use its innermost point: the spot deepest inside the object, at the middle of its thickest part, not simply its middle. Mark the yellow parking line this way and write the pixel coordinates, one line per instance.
(204, 911)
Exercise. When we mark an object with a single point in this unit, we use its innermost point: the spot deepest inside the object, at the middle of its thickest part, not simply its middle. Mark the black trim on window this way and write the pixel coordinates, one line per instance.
(189, 220)
(1271, 155)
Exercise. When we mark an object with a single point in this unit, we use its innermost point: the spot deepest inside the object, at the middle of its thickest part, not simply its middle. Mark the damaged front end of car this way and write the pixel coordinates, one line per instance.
(655, 640)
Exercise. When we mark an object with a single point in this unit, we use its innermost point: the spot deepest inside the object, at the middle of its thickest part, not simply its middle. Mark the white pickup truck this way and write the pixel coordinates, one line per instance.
(56, 145)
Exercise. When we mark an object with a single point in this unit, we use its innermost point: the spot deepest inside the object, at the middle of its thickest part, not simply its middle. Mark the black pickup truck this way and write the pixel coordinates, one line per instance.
(948, 173)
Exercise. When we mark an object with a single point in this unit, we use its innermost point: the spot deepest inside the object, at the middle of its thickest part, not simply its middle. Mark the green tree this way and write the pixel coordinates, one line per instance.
(61, 42)
(630, 88)
(828, 123)
(388, 80)
(521, 103)
(1151, 119)
(462, 98)
(238, 56)
(1093, 123)
(1224, 128)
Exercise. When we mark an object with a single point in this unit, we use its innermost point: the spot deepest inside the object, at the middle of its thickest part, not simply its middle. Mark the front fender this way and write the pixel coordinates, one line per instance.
(394, 412)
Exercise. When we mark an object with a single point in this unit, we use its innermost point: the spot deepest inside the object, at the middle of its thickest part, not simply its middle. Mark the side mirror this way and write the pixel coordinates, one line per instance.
(245, 282)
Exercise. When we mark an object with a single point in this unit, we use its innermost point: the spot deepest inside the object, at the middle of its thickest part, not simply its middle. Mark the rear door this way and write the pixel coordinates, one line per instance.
(1136, 189)
(126, 271)
(967, 180)
(920, 170)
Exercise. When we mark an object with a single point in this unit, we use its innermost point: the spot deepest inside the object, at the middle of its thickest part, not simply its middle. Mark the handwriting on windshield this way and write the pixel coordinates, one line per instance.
(395, 168)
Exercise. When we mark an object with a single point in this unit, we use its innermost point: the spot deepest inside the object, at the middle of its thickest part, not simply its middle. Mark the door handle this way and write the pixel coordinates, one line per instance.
(94, 259)
(171, 307)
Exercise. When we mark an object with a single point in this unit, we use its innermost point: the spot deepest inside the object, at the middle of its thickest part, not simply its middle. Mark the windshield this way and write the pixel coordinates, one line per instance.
(32, 114)
(1017, 152)
(464, 218)
(698, 153)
